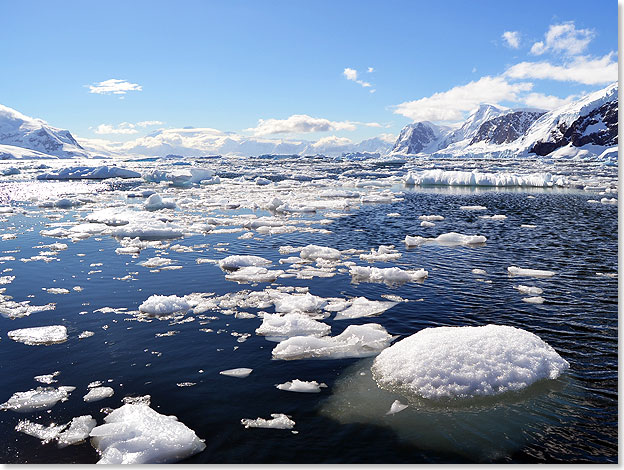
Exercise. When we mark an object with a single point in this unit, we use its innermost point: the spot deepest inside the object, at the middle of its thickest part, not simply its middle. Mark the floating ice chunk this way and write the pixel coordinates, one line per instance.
(164, 305)
(424, 223)
(58, 232)
(396, 407)
(243, 261)
(98, 393)
(606, 200)
(278, 421)
(390, 276)
(188, 176)
(135, 434)
(276, 327)
(260, 181)
(479, 271)
(57, 290)
(88, 172)
(362, 307)
(41, 398)
(155, 203)
(254, 274)
(12, 310)
(63, 203)
(302, 386)
(288, 303)
(40, 335)
(529, 289)
(431, 218)
(128, 250)
(85, 334)
(47, 378)
(315, 252)
(528, 226)
(355, 341)
(534, 300)
(393, 214)
(383, 253)
(476, 178)
(516, 271)
(240, 372)
(493, 217)
(155, 262)
(45, 433)
(78, 431)
(467, 361)
(473, 208)
(154, 229)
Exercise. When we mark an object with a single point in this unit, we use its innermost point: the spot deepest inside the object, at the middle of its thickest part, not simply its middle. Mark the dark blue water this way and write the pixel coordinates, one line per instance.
(573, 419)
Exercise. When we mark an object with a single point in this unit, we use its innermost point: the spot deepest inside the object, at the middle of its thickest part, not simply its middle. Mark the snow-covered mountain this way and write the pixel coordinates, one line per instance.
(586, 127)
(25, 137)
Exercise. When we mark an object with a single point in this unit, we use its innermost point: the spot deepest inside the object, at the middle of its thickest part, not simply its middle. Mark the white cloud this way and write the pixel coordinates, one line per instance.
(564, 38)
(123, 128)
(547, 102)
(582, 69)
(512, 38)
(370, 70)
(299, 123)
(452, 104)
(352, 74)
(148, 123)
(114, 86)
(332, 141)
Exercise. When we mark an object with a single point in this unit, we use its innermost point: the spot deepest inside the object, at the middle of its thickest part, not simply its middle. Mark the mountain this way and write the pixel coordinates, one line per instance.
(586, 127)
(25, 137)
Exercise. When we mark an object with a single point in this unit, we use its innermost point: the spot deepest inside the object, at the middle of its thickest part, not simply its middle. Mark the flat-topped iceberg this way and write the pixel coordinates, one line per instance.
(355, 341)
(88, 172)
(135, 434)
(462, 362)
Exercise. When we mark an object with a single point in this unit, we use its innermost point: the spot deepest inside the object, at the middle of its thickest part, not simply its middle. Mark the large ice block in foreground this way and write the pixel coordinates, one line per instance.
(135, 434)
(468, 361)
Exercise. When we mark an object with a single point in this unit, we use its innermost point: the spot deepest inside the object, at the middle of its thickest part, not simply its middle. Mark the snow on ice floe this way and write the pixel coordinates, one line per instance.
(159, 305)
(136, 434)
(155, 202)
(41, 398)
(243, 261)
(355, 341)
(277, 421)
(388, 276)
(290, 303)
(516, 271)
(240, 372)
(448, 239)
(88, 172)
(462, 362)
(40, 335)
(362, 307)
(98, 393)
(301, 386)
(477, 178)
(396, 407)
(276, 327)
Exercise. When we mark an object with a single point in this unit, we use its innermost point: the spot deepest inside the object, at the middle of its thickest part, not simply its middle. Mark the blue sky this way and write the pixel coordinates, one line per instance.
(228, 64)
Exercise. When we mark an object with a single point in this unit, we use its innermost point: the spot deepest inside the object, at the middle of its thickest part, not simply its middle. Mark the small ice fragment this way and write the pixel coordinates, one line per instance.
(85, 334)
(362, 307)
(278, 421)
(473, 208)
(426, 223)
(48, 378)
(529, 289)
(396, 407)
(98, 393)
(301, 386)
(164, 305)
(479, 271)
(534, 300)
(78, 431)
(516, 271)
(240, 372)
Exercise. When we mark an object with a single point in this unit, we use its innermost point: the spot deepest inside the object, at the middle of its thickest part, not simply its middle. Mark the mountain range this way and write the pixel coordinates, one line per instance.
(587, 127)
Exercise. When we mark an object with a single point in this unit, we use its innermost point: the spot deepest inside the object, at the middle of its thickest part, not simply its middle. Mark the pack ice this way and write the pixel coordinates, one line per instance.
(88, 172)
(135, 434)
(462, 362)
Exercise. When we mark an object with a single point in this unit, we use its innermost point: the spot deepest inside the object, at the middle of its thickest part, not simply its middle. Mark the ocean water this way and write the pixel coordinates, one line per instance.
(570, 419)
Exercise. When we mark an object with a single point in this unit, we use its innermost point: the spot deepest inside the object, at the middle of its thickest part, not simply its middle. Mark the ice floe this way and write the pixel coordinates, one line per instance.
(532, 290)
(516, 271)
(88, 172)
(277, 421)
(243, 261)
(477, 178)
(388, 276)
(136, 434)
(383, 253)
(41, 398)
(276, 327)
(396, 407)
(240, 372)
(301, 386)
(448, 239)
(158, 305)
(362, 307)
(314, 252)
(40, 335)
(98, 393)
(254, 274)
(461, 362)
(355, 341)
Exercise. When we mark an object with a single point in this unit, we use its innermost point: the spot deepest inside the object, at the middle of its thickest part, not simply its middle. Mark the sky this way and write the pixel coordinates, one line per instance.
(294, 69)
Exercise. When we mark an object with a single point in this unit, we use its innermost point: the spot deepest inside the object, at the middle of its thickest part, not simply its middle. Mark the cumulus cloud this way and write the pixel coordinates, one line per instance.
(124, 127)
(582, 69)
(298, 124)
(512, 38)
(332, 141)
(547, 102)
(452, 104)
(564, 38)
(114, 86)
(352, 74)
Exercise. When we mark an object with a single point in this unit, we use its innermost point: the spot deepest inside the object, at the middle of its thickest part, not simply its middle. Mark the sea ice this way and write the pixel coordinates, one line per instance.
(240, 372)
(135, 434)
(446, 362)
(301, 386)
(243, 261)
(383, 253)
(41, 398)
(155, 202)
(315, 252)
(98, 393)
(78, 430)
(516, 271)
(473, 208)
(278, 421)
(276, 327)
(362, 307)
(396, 407)
(288, 303)
(355, 341)
(534, 300)
(39, 335)
(88, 172)
(164, 305)
(529, 289)
(254, 274)
(448, 239)
(390, 276)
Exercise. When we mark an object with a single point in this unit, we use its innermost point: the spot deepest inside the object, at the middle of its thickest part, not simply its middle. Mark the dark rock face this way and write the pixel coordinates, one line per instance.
(599, 127)
(414, 138)
(507, 128)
